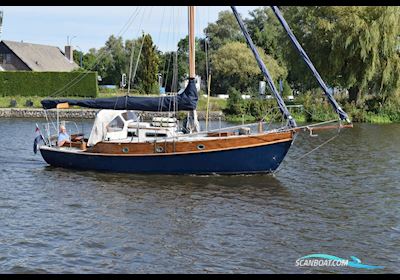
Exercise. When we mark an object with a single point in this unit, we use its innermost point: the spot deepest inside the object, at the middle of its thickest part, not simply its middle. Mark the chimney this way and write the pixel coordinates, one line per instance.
(69, 53)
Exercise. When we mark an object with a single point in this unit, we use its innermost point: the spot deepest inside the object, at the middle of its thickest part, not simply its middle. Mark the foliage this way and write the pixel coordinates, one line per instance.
(148, 72)
(113, 61)
(225, 29)
(28, 83)
(247, 109)
(234, 66)
(355, 47)
(264, 29)
(216, 104)
(234, 106)
(88, 59)
(166, 69)
(77, 57)
(167, 62)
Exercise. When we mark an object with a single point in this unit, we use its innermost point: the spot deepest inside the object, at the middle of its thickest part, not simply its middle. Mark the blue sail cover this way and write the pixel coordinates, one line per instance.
(186, 101)
(264, 70)
(338, 109)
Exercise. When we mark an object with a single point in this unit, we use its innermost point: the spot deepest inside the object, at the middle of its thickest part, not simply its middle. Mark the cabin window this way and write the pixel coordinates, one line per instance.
(132, 134)
(154, 134)
(2, 58)
(117, 124)
(129, 116)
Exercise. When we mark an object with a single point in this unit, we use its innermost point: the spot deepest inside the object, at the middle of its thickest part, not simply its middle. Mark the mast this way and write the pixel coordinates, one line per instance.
(192, 68)
(192, 124)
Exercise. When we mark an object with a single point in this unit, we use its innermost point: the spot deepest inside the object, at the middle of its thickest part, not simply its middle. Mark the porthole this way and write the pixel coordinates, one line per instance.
(201, 147)
(125, 150)
(159, 149)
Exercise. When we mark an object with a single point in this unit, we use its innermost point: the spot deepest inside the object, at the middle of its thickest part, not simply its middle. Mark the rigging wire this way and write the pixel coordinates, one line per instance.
(174, 81)
(158, 44)
(173, 40)
(131, 60)
(126, 97)
(78, 78)
(161, 26)
(169, 60)
(176, 76)
(138, 58)
(164, 76)
(306, 154)
(208, 74)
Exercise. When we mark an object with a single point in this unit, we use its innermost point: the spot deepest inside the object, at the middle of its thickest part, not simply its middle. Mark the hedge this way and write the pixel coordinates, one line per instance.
(48, 84)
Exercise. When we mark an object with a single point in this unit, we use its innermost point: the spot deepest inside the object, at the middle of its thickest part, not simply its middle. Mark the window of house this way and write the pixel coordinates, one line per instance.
(117, 124)
(2, 58)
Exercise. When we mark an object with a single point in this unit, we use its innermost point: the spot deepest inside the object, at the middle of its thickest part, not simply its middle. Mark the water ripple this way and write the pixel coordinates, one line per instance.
(342, 200)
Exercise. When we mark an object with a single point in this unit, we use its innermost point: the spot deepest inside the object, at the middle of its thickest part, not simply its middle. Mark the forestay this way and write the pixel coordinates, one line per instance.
(307, 60)
(282, 106)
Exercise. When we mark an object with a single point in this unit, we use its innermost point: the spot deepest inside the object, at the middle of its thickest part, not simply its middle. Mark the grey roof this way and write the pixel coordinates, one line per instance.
(41, 57)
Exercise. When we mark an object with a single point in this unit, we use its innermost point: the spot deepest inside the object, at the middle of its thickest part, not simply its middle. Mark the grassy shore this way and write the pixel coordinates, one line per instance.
(216, 104)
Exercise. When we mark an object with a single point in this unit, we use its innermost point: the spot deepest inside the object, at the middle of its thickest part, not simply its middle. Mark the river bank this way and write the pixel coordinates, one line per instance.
(300, 117)
(89, 114)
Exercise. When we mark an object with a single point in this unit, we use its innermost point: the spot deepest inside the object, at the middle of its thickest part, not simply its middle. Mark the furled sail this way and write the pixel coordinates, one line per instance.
(186, 101)
(338, 109)
(264, 70)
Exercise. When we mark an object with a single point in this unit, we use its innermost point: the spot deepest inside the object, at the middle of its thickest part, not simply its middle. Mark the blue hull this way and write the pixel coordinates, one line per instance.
(260, 159)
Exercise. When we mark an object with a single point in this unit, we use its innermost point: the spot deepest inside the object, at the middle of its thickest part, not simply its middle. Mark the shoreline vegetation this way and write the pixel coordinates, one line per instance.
(360, 66)
(305, 108)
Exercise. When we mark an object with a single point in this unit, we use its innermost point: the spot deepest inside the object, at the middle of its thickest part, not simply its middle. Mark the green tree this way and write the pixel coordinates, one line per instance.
(235, 66)
(225, 29)
(148, 70)
(166, 69)
(89, 59)
(167, 62)
(355, 47)
(77, 57)
(235, 105)
(183, 58)
(132, 46)
(111, 61)
(264, 29)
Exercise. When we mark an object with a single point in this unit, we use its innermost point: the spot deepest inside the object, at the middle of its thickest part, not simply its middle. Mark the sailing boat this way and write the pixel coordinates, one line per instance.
(120, 141)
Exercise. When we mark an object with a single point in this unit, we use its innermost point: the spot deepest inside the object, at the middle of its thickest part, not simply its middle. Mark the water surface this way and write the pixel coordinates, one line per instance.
(342, 199)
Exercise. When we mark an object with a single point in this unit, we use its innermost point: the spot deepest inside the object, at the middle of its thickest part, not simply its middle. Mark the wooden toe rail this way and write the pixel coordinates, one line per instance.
(325, 127)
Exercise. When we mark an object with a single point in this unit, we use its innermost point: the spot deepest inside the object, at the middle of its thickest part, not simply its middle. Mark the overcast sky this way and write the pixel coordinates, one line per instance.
(90, 26)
